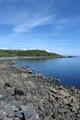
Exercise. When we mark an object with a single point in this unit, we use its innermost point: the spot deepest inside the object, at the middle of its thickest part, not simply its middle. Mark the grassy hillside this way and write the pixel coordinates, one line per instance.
(12, 53)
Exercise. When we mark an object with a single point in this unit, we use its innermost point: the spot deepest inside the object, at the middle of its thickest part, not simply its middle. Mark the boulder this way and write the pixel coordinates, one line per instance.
(18, 91)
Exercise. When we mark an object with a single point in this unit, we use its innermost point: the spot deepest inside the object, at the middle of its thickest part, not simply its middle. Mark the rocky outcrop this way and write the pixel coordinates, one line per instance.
(28, 96)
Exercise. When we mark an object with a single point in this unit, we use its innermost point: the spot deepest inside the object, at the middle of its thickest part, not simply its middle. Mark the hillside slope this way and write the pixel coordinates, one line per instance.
(13, 53)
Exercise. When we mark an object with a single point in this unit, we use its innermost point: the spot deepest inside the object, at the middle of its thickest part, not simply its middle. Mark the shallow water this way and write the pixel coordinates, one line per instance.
(66, 69)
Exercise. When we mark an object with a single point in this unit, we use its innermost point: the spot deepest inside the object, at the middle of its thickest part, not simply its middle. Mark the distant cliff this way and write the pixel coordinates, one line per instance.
(25, 53)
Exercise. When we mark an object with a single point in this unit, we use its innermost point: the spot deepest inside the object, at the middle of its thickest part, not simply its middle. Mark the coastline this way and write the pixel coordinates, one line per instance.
(33, 57)
(30, 57)
(44, 98)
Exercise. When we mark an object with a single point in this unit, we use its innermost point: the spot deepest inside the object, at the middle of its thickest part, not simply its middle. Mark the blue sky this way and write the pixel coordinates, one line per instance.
(53, 25)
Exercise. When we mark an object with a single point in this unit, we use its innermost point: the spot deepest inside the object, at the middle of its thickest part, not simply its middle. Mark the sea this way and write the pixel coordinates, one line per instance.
(67, 70)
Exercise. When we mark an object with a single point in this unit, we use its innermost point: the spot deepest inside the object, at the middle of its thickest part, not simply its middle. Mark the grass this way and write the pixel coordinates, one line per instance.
(13, 53)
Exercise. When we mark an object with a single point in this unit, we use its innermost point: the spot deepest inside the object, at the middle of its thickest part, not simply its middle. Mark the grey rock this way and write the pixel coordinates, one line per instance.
(27, 97)
(18, 91)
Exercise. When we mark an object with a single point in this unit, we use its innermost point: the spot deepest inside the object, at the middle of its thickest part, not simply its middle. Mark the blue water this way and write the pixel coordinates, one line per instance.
(66, 69)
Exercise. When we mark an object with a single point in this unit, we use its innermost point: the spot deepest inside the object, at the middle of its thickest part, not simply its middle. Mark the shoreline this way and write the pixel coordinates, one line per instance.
(35, 57)
(30, 57)
(28, 95)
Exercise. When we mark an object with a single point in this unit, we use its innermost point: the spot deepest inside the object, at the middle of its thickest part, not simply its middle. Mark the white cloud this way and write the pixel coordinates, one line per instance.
(32, 24)
(33, 17)
(26, 16)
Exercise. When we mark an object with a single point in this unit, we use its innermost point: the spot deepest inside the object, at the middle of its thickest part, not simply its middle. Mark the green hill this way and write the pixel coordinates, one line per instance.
(25, 53)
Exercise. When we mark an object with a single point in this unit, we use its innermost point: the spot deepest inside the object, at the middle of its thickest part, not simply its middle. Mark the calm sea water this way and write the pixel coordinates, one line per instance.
(66, 69)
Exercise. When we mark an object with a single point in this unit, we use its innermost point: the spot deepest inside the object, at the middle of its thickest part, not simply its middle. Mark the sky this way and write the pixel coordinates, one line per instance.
(52, 25)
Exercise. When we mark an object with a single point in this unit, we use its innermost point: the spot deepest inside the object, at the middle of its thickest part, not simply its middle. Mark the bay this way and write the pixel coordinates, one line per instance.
(66, 69)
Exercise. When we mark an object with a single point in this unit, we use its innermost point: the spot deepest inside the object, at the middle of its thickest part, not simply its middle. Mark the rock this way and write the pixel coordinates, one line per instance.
(2, 114)
(24, 75)
(15, 118)
(14, 108)
(64, 93)
(18, 91)
(73, 90)
(30, 84)
(22, 70)
(53, 90)
(74, 109)
(29, 112)
(7, 85)
(30, 71)
(9, 91)
(8, 118)
(9, 111)
(18, 114)
(2, 97)
(27, 97)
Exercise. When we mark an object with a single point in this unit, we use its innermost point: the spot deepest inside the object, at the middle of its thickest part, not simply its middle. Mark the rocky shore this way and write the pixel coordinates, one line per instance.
(28, 96)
